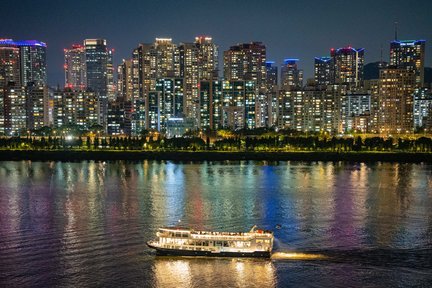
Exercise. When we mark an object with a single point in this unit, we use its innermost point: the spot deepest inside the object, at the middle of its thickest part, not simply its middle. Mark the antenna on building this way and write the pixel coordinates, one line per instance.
(381, 61)
(396, 30)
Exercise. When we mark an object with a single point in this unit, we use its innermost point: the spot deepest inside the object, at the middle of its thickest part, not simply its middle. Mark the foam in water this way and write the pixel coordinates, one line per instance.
(297, 256)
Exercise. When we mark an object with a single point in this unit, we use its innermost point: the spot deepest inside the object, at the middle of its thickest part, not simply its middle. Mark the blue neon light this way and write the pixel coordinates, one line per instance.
(408, 42)
(290, 60)
(323, 59)
(22, 43)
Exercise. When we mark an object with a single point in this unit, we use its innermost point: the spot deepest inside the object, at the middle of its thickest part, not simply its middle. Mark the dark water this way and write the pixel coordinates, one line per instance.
(342, 225)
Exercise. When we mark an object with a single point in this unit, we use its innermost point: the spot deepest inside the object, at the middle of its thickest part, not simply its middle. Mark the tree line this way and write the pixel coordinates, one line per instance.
(236, 143)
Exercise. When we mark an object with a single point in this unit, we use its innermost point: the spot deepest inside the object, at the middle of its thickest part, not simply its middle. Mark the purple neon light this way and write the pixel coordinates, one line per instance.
(22, 43)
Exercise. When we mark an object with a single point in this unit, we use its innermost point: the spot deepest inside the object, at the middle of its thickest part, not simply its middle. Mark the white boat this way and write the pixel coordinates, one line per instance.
(188, 242)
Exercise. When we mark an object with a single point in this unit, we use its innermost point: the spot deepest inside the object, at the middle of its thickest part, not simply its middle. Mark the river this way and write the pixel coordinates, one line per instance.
(85, 224)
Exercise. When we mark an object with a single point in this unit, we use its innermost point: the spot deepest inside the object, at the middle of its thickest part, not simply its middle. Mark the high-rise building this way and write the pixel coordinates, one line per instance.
(210, 105)
(111, 85)
(189, 71)
(37, 106)
(208, 62)
(269, 105)
(75, 67)
(116, 117)
(23, 86)
(99, 73)
(358, 111)
(238, 104)
(198, 61)
(76, 107)
(96, 63)
(246, 62)
(14, 110)
(348, 66)
(32, 61)
(291, 76)
(151, 62)
(271, 76)
(423, 109)
(9, 66)
(323, 70)
(396, 88)
(125, 80)
(410, 55)
(312, 109)
(171, 100)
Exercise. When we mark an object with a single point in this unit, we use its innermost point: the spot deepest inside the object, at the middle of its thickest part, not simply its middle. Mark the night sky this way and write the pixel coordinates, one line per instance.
(289, 29)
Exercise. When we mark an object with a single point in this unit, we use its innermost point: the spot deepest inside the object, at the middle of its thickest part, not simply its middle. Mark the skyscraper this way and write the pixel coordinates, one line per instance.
(423, 109)
(246, 62)
(23, 81)
(410, 55)
(269, 103)
(198, 61)
(9, 66)
(348, 66)
(125, 80)
(75, 67)
(291, 76)
(396, 88)
(271, 76)
(323, 70)
(96, 63)
(31, 61)
(171, 100)
(99, 74)
(238, 101)
(151, 62)
(210, 105)
(208, 62)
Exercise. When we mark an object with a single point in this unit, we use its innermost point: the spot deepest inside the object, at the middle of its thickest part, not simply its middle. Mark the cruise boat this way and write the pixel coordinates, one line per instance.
(188, 242)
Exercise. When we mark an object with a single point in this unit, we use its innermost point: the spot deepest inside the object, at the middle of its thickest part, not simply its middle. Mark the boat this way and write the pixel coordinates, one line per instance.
(178, 241)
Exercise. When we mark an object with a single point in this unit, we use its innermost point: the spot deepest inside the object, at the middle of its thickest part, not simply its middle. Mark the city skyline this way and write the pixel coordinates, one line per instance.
(288, 29)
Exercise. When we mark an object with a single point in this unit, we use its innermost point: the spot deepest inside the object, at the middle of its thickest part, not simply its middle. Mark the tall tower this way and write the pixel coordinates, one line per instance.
(271, 76)
(291, 76)
(409, 55)
(75, 67)
(125, 80)
(323, 70)
(246, 62)
(198, 62)
(32, 61)
(396, 88)
(9, 66)
(348, 66)
(96, 56)
(208, 62)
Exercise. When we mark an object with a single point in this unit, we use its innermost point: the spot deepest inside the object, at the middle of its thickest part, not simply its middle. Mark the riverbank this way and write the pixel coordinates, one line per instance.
(106, 155)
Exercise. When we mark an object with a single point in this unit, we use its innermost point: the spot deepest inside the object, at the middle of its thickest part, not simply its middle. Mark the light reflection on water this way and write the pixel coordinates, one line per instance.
(86, 224)
(188, 272)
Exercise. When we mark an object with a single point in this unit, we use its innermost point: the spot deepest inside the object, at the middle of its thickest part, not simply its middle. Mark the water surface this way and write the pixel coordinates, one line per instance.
(85, 224)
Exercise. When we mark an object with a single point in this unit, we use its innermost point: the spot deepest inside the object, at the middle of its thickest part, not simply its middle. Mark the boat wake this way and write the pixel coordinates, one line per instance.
(297, 256)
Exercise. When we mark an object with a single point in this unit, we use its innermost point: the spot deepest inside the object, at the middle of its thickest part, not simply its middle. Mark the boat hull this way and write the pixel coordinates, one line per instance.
(182, 252)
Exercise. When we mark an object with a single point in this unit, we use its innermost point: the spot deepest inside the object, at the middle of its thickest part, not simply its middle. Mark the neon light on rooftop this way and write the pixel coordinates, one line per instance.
(324, 58)
(350, 48)
(290, 60)
(408, 42)
(22, 43)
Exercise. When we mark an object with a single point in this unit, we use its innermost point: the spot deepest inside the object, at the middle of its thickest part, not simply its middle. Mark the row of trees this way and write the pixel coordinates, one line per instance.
(246, 143)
